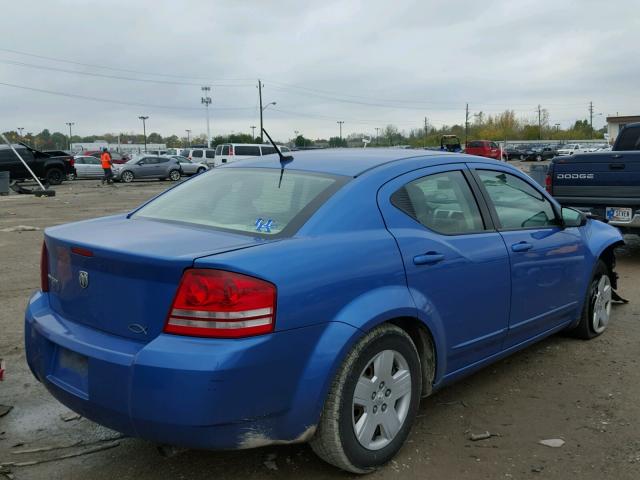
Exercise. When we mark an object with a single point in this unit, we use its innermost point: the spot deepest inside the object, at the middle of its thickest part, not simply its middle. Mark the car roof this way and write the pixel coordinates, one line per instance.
(349, 161)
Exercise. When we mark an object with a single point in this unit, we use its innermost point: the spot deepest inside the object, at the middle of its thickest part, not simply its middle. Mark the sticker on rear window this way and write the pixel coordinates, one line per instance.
(263, 225)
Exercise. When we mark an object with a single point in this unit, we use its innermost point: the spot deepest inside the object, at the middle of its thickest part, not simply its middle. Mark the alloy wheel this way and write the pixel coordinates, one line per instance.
(602, 305)
(381, 400)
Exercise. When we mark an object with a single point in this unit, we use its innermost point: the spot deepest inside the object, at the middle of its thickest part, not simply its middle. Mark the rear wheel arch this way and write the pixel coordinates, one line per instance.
(425, 344)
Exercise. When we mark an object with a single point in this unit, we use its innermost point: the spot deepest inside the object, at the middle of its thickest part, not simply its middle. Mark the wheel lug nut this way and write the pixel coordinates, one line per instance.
(381, 385)
(388, 392)
(375, 409)
(384, 407)
(373, 396)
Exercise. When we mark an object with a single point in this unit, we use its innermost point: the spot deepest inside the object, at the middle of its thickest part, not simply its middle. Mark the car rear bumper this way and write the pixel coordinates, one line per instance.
(191, 392)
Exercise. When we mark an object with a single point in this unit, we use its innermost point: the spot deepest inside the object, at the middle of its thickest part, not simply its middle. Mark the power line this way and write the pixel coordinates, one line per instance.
(116, 77)
(127, 70)
(108, 100)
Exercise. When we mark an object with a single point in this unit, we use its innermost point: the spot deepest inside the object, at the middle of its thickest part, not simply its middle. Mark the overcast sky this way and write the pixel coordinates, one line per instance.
(368, 63)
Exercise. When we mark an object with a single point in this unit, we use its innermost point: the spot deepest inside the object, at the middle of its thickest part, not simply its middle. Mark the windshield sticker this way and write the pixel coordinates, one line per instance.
(263, 225)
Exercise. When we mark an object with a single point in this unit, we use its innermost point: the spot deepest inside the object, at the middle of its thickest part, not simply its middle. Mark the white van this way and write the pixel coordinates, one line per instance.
(230, 152)
(204, 155)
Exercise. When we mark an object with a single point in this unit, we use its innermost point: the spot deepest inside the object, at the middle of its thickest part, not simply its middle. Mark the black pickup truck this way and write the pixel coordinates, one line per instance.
(606, 184)
(53, 169)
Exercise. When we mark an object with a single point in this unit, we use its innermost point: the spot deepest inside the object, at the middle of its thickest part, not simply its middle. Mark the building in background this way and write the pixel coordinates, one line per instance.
(615, 124)
(115, 147)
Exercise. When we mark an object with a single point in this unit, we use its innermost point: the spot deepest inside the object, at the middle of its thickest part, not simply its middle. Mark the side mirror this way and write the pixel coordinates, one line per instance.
(573, 218)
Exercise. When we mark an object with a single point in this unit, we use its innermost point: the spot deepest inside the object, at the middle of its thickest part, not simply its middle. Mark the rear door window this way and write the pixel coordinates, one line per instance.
(225, 150)
(243, 200)
(218, 149)
(442, 202)
(210, 153)
(250, 151)
(268, 150)
(196, 154)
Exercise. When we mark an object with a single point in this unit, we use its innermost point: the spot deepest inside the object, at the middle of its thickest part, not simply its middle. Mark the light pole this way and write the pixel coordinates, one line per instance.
(206, 100)
(188, 137)
(144, 129)
(253, 132)
(70, 124)
(340, 122)
(296, 132)
(377, 130)
(20, 130)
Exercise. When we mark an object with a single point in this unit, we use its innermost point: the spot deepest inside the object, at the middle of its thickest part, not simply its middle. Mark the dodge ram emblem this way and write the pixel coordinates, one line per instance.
(83, 279)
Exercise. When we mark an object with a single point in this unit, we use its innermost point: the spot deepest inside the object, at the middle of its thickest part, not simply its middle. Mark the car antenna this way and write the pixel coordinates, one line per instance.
(284, 159)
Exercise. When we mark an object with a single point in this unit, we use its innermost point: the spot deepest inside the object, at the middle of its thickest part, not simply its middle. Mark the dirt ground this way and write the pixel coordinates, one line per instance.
(585, 393)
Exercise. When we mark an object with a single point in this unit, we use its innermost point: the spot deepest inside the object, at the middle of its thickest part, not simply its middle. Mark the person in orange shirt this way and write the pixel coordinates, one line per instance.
(105, 160)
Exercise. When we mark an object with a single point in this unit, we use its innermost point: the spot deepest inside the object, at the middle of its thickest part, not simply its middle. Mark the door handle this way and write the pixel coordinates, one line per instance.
(428, 258)
(616, 166)
(521, 246)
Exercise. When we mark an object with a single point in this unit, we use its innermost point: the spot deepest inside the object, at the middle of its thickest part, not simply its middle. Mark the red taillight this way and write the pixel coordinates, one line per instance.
(44, 268)
(72, 161)
(82, 251)
(216, 303)
(231, 150)
(547, 183)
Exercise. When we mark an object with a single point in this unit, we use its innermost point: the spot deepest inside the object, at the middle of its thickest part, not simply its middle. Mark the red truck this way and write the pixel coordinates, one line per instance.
(485, 148)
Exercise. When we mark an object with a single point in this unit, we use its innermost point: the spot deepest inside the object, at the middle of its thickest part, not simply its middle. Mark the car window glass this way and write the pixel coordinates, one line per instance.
(474, 144)
(196, 154)
(162, 160)
(225, 150)
(218, 149)
(442, 202)
(247, 150)
(267, 150)
(241, 200)
(517, 203)
(210, 154)
(493, 145)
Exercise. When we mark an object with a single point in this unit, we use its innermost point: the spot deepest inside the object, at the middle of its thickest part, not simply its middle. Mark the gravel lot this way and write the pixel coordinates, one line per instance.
(585, 393)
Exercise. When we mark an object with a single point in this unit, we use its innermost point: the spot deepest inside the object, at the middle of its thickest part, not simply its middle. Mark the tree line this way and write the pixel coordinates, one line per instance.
(500, 127)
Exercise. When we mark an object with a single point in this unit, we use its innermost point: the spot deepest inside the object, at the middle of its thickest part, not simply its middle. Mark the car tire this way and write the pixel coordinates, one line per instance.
(597, 308)
(346, 411)
(201, 170)
(538, 158)
(522, 158)
(54, 176)
(127, 176)
(174, 175)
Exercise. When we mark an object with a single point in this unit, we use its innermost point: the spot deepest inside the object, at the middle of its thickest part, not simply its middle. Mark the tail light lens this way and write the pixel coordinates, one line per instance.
(220, 304)
(547, 183)
(231, 150)
(44, 268)
(72, 161)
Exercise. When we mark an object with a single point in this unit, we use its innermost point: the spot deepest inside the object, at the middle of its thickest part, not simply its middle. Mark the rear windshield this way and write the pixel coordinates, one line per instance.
(252, 201)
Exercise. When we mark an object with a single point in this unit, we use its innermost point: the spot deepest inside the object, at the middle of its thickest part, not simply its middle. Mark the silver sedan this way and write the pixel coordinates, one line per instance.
(88, 167)
(147, 166)
(189, 167)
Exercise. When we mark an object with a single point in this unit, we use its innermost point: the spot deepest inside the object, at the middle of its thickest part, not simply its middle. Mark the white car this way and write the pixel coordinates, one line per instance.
(88, 167)
(570, 149)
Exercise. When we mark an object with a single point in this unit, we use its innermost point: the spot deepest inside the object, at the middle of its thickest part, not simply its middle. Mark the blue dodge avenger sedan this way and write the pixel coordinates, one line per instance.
(315, 300)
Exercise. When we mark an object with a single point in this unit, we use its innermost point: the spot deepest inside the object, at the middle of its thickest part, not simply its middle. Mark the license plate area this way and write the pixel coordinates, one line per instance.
(70, 371)
(619, 214)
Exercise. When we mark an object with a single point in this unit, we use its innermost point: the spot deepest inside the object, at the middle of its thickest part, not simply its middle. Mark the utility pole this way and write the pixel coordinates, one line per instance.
(591, 117)
(70, 124)
(144, 129)
(377, 130)
(539, 122)
(424, 144)
(261, 109)
(188, 137)
(466, 125)
(253, 133)
(20, 130)
(340, 122)
(206, 101)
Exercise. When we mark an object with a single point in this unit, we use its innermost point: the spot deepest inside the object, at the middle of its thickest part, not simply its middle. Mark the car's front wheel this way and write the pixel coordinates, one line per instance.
(597, 309)
(538, 158)
(201, 170)
(174, 175)
(126, 176)
(372, 403)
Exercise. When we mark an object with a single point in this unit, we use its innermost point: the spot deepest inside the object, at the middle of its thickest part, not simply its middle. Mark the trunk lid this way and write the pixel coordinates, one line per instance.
(132, 273)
